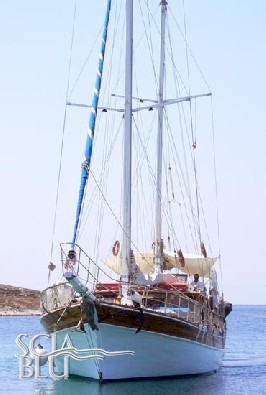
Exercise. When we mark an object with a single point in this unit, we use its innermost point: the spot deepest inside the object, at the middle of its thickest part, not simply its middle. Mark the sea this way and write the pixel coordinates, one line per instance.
(243, 369)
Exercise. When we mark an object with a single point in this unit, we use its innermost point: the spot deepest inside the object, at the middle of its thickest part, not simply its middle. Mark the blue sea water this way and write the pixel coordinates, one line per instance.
(243, 370)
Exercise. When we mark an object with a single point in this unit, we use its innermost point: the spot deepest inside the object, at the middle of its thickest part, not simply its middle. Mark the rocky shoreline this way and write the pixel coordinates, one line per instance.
(18, 301)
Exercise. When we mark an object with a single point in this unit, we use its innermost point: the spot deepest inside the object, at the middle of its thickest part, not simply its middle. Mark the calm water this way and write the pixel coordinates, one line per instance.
(243, 371)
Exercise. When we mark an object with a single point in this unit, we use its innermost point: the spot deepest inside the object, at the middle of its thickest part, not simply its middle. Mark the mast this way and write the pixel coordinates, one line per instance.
(158, 216)
(126, 239)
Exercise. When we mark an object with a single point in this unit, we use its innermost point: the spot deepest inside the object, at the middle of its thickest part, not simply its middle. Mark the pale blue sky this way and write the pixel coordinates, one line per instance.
(228, 41)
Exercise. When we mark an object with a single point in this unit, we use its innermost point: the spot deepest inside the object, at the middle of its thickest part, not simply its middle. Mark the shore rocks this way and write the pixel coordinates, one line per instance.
(19, 301)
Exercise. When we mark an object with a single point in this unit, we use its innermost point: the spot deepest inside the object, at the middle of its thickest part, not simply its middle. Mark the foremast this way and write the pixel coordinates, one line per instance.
(127, 154)
(158, 216)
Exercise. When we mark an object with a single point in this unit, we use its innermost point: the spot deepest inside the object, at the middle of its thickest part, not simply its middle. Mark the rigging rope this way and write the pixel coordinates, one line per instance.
(62, 140)
(84, 65)
(185, 185)
(190, 51)
(164, 205)
(216, 193)
(192, 144)
(116, 218)
(182, 119)
(193, 137)
(143, 144)
(192, 128)
(110, 139)
(101, 178)
(149, 40)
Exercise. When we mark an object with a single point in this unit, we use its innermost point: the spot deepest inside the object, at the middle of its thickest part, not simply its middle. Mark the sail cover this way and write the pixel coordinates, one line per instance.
(144, 260)
(193, 264)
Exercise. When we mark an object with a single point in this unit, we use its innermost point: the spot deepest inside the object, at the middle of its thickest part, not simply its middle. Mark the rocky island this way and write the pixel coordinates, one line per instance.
(19, 301)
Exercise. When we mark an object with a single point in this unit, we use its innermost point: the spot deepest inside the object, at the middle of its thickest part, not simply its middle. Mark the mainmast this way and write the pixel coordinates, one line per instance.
(126, 239)
(158, 216)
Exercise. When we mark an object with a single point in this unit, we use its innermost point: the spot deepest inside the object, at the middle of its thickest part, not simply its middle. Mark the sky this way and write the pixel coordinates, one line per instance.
(228, 40)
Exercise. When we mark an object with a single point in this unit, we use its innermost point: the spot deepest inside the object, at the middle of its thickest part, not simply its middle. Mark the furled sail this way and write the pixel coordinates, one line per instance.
(193, 264)
(145, 262)
(90, 136)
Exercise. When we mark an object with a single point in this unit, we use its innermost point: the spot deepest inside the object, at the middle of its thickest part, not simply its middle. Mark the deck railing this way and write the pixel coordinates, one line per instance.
(192, 307)
(176, 303)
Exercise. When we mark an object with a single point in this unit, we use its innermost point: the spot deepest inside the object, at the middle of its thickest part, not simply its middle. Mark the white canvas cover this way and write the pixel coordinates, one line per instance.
(144, 260)
(193, 264)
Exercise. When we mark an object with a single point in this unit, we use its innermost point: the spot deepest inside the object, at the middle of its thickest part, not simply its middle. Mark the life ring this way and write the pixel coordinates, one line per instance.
(116, 248)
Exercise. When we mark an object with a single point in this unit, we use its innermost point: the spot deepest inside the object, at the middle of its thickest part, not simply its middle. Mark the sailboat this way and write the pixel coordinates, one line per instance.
(160, 303)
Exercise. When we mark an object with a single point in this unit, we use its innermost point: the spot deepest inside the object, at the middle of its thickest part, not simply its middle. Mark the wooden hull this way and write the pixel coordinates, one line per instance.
(164, 346)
